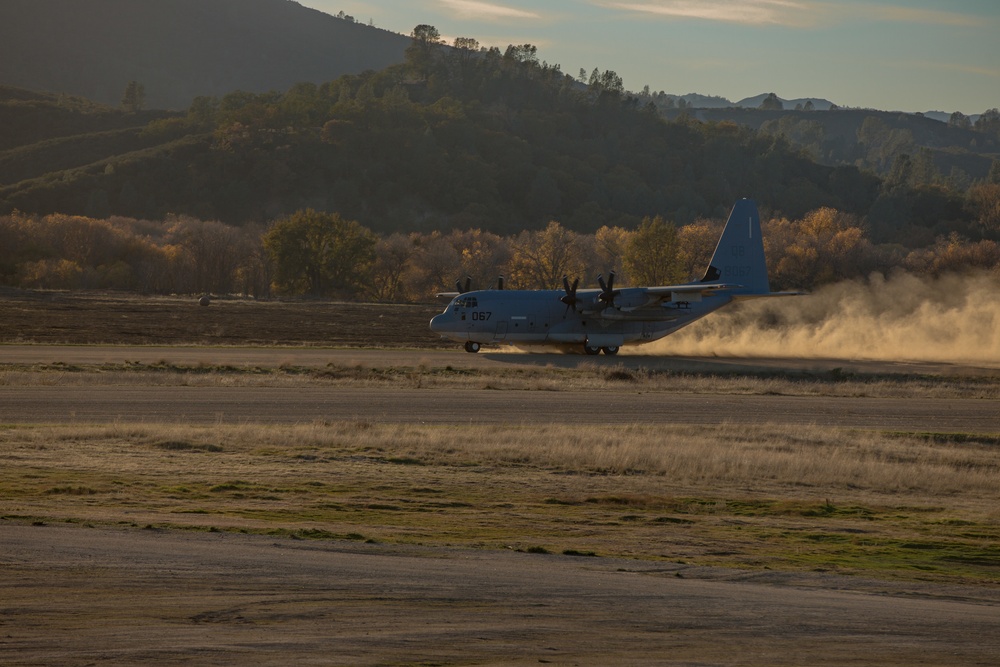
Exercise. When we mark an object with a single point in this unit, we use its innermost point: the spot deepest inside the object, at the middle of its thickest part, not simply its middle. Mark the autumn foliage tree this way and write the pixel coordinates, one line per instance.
(610, 245)
(319, 254)
(696, 243)
(826, 245)
(392, 255)
(651, 256)
(541, 258)
(953, 254)
(211, 253)
(983, 199)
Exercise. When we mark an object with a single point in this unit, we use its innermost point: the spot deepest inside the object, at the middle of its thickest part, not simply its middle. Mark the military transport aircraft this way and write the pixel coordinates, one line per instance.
(596, 320)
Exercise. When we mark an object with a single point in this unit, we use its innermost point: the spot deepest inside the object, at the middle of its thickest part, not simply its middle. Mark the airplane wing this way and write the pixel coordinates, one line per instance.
(689, 288)
(653, 297)
(742, 297)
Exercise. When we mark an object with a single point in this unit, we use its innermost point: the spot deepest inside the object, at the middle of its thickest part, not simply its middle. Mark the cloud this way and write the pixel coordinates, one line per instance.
(486, 11)
(790, 13)
(894, 14)
(754, 12)
(964, 68)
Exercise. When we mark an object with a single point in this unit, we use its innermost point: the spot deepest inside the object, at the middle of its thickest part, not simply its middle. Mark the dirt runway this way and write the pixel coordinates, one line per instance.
(496, 358)
(208, 405)
(401, 402)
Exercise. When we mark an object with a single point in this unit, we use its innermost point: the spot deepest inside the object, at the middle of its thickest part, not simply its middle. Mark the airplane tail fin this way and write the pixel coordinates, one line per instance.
(739, 257)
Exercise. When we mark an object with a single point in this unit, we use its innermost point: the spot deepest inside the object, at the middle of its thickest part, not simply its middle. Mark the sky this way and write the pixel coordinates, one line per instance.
(893, 55)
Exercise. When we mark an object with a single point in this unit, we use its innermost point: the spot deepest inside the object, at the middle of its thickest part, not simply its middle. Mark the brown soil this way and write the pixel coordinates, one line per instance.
(75, 596)
(122, 319)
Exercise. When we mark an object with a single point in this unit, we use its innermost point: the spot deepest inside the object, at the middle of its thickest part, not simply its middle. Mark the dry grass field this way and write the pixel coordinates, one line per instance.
(896, 505)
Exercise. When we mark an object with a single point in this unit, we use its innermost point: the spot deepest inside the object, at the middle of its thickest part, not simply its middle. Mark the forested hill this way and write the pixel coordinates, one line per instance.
(452, 138)
(495, 142)
(180, 49)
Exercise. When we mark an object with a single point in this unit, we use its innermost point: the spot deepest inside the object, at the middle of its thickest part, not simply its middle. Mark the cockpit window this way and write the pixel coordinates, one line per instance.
(467, 302)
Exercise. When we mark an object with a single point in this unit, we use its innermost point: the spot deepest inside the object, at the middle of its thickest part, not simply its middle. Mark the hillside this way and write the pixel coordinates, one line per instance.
(450, 139)
(492, 142)
(181, 49)
(868, 138)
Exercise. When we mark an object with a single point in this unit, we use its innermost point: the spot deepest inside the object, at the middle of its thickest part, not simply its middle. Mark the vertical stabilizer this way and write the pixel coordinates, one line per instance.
(739, 257)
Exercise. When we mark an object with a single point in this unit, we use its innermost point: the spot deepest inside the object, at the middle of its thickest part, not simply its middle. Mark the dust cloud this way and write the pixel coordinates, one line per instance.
(901, 318)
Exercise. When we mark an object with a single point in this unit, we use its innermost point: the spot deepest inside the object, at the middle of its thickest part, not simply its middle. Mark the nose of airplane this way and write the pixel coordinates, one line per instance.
(437, 323)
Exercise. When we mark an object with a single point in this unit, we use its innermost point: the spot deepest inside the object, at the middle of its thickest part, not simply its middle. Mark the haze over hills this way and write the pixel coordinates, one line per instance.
(181, 49)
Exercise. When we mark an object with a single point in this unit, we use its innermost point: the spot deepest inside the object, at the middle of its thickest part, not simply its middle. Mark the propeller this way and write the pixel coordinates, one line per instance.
(500, 282)
(570, 298)
(608, 291)
(462, 289)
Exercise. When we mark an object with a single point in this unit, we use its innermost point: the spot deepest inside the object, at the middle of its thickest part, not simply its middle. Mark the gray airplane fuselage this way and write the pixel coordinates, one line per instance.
(605, 319)
(538, 317)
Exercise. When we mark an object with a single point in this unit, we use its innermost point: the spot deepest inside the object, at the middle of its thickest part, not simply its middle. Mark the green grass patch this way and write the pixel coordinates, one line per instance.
(72, 491)
(182, 446)
(990, 440)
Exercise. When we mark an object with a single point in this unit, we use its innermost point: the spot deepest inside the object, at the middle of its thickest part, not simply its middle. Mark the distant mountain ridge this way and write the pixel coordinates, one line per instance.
(754, 102)
(699, 101)
(181, 49)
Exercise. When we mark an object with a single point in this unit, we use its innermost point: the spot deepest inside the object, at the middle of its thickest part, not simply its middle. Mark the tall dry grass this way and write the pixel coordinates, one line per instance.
(768, 459)
(759, 496)
(589, 376)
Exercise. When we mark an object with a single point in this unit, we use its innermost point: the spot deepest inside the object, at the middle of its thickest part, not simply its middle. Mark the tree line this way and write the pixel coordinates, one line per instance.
(317, 254)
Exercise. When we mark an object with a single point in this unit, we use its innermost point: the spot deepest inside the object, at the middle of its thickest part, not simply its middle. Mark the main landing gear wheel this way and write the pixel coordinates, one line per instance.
(610, 350)
(472, 347)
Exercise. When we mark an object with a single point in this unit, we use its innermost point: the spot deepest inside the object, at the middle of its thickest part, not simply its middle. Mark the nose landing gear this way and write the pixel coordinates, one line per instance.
(472, 347)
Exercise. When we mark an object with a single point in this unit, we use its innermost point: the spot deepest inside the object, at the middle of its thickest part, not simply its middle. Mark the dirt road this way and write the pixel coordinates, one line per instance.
(497, 358)
(208, 405)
